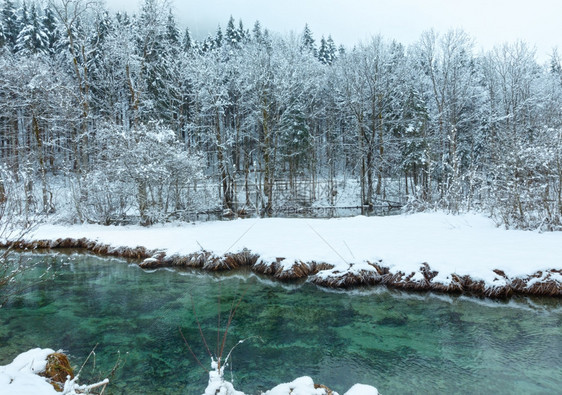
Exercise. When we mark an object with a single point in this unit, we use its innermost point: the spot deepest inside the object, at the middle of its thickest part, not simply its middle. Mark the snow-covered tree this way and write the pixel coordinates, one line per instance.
(32, 38)
(51, 30)
(327, 51)
(307, 40)
(10, 24)
(187, 41)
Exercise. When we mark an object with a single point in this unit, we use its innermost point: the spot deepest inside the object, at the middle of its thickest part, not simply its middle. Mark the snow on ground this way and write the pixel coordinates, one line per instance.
(468, 244)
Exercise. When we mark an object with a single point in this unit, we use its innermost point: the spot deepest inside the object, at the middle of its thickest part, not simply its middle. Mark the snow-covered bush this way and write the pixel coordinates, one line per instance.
(527, 189)
(144, 171)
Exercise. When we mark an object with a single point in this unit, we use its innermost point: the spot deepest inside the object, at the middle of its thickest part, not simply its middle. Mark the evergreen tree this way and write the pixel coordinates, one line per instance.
(331, 49)
(23, 17)
(327, 51)
(122, 18)
(556, 64)
(296, 140)
(242, 33)
(50, 28)
(187, 42)
(233, 36)
(256, 32)
(208, 44)
(103, 28)
(32, 37)
(218, 37)
(2, 36)
(323, 52)
(10, 23)
(307, 40)
(172, 32)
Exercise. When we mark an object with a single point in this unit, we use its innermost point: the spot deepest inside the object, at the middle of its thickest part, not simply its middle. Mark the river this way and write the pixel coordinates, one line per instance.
(399, 342)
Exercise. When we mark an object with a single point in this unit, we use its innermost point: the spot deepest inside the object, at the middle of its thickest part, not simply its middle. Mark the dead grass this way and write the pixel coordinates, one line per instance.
(57, 370)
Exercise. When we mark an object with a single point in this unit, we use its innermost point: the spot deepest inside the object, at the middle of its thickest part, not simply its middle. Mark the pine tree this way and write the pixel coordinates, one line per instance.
(172, 32)
(295, 135)
(327, 51)
(555, 64)
(23, 17)
(256, 32)
(51, 30)
(242, 33)
(308, 41)
(323, 56)
(187, 42)
(208, 44)
(233, 36)
(331, 49)
(10, 23)
(122, 18)
(104, 27)
(218, 37)
(2, 36)
(32, 37)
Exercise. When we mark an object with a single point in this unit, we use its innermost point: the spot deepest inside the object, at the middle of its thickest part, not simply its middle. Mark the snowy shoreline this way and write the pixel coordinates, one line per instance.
(32, 372)
(429, 251)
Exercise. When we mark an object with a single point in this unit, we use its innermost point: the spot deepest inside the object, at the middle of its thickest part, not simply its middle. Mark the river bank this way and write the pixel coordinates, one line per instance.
(429, 251)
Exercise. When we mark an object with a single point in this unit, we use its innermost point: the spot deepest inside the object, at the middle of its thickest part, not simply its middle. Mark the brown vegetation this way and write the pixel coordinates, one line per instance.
(327, 390)
(57, 370)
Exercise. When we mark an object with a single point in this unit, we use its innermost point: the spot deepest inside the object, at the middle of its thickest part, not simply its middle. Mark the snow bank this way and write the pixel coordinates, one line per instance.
(21, 376)
(451, 246)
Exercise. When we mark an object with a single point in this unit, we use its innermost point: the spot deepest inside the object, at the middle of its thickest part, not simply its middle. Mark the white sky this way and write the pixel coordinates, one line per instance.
(489, 22)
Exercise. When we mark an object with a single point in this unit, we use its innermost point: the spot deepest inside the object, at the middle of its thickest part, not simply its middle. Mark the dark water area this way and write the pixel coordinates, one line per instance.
(399, 342)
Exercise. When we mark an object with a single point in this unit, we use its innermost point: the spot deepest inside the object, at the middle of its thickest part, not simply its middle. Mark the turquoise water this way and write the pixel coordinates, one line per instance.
(401, 343)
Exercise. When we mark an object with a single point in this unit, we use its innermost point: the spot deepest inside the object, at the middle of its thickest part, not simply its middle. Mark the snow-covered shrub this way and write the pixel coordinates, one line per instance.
(526, 192)
(144, 171)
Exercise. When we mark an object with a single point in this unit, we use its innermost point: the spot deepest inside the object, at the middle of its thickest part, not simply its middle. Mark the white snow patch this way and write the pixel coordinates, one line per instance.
(468, 244)
(301, 386)
(362, 389)
(20, 377)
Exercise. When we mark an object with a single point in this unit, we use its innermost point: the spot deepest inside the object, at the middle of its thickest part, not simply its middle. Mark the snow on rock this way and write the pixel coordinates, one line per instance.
(301, 386)
(20, 377)
(362, 389)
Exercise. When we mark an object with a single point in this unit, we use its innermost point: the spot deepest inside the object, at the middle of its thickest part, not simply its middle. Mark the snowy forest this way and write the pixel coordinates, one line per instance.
(109, 117)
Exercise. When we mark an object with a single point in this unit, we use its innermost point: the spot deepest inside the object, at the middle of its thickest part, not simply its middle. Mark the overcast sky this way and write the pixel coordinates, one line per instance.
(489, 22)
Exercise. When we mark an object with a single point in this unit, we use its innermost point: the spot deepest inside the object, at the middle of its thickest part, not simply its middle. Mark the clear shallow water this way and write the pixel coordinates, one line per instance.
(401, 343)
